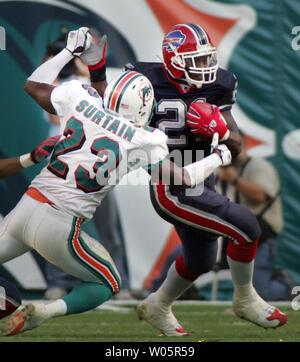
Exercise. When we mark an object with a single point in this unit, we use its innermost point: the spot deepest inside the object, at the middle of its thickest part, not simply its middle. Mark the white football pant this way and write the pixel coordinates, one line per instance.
(56, 236)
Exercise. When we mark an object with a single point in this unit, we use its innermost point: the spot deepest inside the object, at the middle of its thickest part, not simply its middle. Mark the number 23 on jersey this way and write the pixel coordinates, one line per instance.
(105, 149)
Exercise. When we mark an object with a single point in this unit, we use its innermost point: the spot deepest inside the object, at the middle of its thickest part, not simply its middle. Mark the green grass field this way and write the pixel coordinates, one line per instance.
(207, 323)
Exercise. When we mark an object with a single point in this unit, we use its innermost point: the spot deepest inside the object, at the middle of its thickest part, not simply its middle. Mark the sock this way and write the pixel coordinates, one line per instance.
(57, 308)
(172, 287)
(86, 296)
(241, 274)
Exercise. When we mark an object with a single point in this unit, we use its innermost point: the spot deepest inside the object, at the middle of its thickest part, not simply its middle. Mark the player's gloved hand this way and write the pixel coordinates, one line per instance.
(44, 149)
(95, 58)
(221, 150)
(95, 55)
(208, 124)
(78, 41)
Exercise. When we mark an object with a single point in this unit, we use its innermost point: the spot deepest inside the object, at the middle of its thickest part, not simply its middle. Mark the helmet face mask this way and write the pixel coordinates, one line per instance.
(189, 55)
(131, 95)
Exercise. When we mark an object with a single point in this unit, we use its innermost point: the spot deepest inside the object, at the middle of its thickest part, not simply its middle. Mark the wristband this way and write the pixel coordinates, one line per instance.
(26, 161)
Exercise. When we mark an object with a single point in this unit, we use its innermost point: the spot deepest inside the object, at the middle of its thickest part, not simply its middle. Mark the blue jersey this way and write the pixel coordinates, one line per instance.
(173, 101)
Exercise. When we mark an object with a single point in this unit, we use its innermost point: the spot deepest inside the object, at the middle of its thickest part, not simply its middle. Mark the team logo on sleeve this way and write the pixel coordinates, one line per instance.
(175, 38)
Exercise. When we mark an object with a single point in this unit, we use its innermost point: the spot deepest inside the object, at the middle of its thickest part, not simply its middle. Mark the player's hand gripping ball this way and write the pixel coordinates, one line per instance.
(205, 119)
(10, 298)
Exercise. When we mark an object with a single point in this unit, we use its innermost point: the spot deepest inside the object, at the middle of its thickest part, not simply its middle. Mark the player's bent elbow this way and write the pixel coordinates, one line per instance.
(29, 87)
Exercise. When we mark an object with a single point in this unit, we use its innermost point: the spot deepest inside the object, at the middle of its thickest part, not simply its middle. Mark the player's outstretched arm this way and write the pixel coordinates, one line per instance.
(39, 84)
(195, 173)
(11, 166)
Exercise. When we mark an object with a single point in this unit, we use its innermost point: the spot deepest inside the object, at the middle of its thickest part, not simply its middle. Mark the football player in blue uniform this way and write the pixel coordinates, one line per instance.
(190, 73)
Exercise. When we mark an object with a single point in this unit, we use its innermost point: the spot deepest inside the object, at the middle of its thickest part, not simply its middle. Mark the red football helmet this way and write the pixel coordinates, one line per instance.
(189, 55)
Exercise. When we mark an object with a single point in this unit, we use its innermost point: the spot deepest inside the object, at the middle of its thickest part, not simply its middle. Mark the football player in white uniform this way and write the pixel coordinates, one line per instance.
(97, 147)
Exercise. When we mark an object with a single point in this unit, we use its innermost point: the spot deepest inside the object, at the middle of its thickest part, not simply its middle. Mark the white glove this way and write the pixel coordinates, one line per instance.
(222, 150)
(78, 41)
(96, 53)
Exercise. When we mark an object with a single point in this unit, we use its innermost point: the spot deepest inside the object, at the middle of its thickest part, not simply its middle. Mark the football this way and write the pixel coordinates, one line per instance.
(205, 107)
(10, 298)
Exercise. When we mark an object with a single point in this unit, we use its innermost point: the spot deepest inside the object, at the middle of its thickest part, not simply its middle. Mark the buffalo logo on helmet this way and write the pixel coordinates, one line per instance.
(176, 38)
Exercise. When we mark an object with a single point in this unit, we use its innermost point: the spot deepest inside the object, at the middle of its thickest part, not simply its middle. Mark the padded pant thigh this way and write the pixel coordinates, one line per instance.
(74, 251)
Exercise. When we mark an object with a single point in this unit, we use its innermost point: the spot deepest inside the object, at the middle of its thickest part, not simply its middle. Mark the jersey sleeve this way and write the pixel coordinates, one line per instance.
(64, 95)
(228, 92)
(151, 148)
(60, 98)
(130, 66)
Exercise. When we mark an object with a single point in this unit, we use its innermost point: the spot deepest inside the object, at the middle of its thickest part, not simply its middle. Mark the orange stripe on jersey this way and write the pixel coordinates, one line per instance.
(37, 195)
(91, 261)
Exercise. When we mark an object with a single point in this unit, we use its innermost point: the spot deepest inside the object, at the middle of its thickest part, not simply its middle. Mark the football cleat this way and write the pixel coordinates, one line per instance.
(31, 316)
(254, 309)
(10, 298)
(160, 317)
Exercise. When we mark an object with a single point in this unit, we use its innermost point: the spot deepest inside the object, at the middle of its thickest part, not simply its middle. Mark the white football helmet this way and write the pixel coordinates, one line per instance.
(131, 95)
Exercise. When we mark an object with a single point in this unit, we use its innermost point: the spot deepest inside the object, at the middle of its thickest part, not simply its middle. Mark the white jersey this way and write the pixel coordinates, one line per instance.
(95, 151)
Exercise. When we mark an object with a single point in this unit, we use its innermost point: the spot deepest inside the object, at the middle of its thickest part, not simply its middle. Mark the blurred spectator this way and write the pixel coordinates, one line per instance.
(254, 183)
(106, 219)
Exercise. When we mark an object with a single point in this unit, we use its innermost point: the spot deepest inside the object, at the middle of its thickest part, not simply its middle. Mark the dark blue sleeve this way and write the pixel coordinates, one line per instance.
(228, 91)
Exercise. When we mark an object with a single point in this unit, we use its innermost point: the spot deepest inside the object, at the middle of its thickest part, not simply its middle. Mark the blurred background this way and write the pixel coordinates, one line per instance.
(257, 40)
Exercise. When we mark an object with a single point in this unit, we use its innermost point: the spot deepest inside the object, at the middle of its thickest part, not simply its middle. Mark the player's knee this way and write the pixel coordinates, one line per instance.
(246, 221)
(201, 262)
(201, 266)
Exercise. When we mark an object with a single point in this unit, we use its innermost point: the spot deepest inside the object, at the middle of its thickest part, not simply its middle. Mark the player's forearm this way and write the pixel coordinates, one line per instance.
(234, 143)
(199, 171)
(9, 167)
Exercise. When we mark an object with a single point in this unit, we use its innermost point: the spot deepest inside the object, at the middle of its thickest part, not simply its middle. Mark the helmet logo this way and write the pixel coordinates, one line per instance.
(173, 40)
(145, 93)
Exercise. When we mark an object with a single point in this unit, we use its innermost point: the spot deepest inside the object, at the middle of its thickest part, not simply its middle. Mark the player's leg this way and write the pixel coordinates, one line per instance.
(241, 254)
(157, 307)
(77, 254)
(11, 231)
(216, 214)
